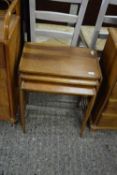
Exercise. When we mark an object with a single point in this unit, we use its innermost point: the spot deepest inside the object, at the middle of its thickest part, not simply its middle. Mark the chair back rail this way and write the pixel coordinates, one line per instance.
(103, 18)
(55, 16)
(74, 18)
(54, 33)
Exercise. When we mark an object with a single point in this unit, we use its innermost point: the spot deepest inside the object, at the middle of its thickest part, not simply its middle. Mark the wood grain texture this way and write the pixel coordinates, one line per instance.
(58, 89)
(4, 113)
(4, 99)
(105, 113)
(60, 70)
(114, 92)
(59, 62)
(9, 51)
(62, 80)
(2, 74)
(2, 61)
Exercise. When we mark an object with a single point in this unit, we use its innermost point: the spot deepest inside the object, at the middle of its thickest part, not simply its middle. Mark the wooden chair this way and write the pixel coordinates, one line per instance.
(95, 37)
(67, 28)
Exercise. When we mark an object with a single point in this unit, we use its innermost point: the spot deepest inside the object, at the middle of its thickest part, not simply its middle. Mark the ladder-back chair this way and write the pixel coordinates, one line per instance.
(62, 28)
(95, 37)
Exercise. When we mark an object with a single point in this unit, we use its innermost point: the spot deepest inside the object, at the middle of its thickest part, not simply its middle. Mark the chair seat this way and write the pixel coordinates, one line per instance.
(87, 33)
(45, 40)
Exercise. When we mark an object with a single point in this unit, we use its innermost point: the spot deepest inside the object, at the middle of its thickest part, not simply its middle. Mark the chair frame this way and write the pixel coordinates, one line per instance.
(103, 18)
(60, 17)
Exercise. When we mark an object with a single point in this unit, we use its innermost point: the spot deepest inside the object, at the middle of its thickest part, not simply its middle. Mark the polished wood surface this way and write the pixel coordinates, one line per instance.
(60, 70)
(8, 19)
(114, 93)
(58, 89)
(2, 61)
(46, 61)
(105, 113)
(62, 80)
(9, 53)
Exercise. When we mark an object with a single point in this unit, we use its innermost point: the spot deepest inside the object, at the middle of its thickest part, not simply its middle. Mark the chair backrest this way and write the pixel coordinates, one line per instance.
(65, 18)
(103, 18)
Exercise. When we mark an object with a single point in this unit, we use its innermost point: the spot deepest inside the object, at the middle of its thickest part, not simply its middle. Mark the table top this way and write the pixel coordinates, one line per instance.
(70, 62)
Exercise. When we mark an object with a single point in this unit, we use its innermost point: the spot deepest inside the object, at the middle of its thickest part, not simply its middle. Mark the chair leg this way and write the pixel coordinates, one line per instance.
(87, 114)
(22, 109)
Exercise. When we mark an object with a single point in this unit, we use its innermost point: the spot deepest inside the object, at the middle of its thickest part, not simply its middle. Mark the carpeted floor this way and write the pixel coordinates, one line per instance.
(52, 145)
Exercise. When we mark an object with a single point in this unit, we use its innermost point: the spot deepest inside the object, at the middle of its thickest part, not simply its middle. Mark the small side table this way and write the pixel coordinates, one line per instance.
(60, 70)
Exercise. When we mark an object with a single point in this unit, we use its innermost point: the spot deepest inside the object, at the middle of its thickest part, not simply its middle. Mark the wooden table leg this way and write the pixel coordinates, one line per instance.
(87, 114)
(22, 109)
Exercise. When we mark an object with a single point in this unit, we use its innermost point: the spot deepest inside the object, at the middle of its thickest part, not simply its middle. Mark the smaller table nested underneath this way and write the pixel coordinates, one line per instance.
(60, 70)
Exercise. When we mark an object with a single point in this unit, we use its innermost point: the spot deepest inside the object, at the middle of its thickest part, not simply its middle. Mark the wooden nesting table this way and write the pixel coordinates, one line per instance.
(61, 70)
